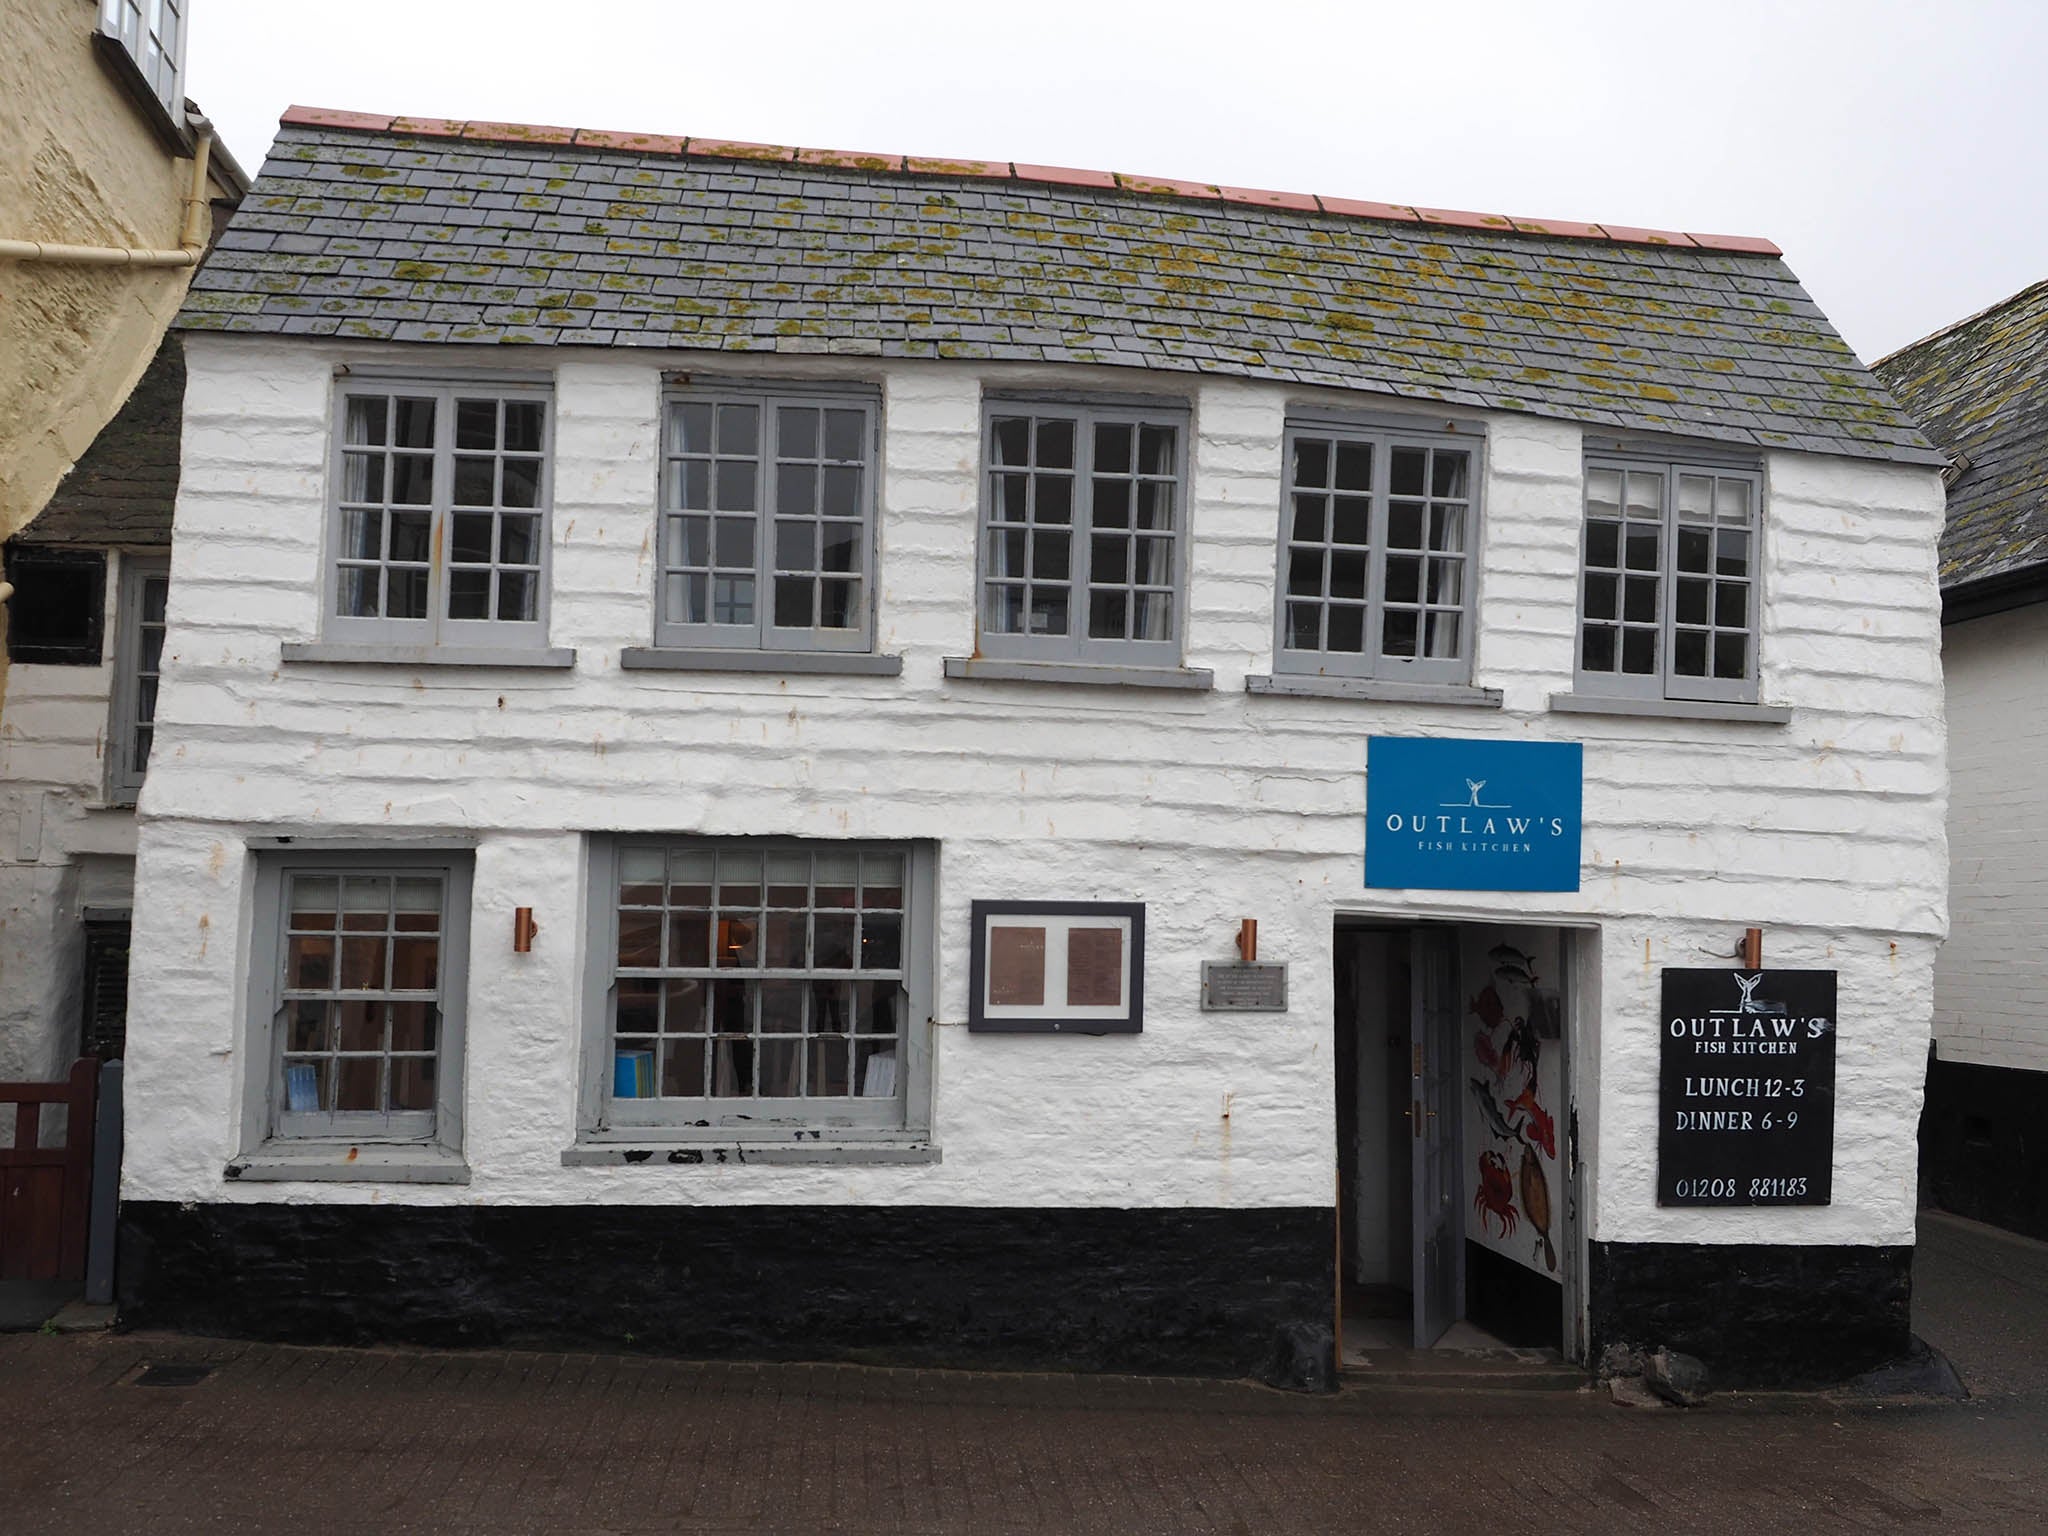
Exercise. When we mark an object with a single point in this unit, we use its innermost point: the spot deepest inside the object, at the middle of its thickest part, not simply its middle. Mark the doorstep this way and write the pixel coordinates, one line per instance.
(1517, 1370)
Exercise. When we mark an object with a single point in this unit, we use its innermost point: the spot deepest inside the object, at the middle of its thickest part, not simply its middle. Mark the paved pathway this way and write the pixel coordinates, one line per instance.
(315, 1441)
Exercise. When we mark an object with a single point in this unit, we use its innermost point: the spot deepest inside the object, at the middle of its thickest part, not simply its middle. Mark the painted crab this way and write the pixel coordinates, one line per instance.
(1496, 1196)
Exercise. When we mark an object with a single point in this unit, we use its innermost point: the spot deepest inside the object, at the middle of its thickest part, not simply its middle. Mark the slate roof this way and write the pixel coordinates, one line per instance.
(122, 488)
(1980, 388)
(428, 231)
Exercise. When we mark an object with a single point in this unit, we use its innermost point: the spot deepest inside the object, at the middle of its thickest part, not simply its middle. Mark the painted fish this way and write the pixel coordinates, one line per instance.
(1486, 1008)
(1496, 1122)
(1540, 1130)
(1511, 964)
(1536, 1205)
(1482, 1047)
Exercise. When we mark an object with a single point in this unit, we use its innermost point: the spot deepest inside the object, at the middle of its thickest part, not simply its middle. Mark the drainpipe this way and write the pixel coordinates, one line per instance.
(192, 239)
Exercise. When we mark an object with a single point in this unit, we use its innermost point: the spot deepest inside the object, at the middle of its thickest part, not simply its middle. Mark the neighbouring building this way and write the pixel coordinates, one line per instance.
(110, 182)
(728, 713)
(1980, 389)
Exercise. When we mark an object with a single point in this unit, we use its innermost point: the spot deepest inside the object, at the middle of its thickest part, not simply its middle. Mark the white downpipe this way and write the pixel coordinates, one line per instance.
(192, 237)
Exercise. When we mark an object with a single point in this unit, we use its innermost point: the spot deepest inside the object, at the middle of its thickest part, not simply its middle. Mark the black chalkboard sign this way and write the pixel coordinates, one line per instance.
(1746, 1101)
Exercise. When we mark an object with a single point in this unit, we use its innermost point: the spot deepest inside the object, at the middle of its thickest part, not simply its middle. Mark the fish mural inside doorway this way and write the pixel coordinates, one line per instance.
(1516, 1015)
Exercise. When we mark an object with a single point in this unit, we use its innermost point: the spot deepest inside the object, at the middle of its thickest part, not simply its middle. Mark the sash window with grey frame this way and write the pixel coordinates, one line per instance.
(767, 528)
(1668, 592)
(1083, 553)
(138, 659)
(152, 34)
(751, 985)
(441, 515)
(1377, 534)
(361, 965)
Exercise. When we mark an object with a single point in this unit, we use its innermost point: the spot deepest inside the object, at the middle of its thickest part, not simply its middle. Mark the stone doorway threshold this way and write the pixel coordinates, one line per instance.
(1377, 1353)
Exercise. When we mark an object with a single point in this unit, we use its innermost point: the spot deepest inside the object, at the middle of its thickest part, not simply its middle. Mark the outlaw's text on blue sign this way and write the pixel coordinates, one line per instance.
(1453, 815)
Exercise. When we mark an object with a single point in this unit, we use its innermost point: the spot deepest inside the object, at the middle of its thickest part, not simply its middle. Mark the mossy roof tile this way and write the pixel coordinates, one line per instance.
(774, 249)
(1980, 390)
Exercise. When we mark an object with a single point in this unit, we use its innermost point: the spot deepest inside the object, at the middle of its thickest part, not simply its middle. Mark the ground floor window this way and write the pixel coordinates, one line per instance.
(760, 984)
(359, 993)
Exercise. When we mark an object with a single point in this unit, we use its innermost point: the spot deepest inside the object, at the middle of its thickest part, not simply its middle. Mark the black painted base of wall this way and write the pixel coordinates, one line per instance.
(1514, 1304)
(1201, 1292)
(1757, 1314)
(1984, 1144)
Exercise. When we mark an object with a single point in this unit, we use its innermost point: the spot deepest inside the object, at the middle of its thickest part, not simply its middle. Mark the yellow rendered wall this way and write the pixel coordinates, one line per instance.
(79, 165)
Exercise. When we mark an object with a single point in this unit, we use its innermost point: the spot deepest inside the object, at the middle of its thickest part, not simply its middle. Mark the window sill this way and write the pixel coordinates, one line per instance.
(339, 1163)
(983, 669)
(1671, 709)
(1380, 690)
(777, 1154)
(171, 135)
(557, 658)
(655, 658)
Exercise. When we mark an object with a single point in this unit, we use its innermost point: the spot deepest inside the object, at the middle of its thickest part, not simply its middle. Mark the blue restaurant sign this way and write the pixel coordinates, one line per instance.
(1448, 815)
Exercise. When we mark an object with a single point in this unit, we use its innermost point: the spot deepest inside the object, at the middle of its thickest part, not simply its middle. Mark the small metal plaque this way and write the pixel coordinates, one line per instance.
(1231, 986)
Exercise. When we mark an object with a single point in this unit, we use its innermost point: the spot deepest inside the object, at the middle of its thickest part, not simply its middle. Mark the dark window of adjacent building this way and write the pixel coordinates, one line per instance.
(103, 1031)
(58, 610)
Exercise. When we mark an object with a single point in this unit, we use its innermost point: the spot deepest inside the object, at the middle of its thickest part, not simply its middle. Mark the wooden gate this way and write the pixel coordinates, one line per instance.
(46, 1192)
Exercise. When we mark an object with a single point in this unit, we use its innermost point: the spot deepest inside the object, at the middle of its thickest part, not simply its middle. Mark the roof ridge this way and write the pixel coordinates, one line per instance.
(1956, 325)
(1004, 170)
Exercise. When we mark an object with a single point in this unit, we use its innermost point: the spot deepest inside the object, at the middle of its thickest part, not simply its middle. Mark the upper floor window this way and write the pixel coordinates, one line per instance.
(152, 33)
(138, 658)
(440, 520)
(767, 528)
(1668, 588)
(1083, 544)
(57, 615)
(1377, 533)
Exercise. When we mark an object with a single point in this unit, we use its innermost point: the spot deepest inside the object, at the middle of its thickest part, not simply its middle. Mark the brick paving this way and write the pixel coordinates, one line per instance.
(319, 1441)
(328, 1440)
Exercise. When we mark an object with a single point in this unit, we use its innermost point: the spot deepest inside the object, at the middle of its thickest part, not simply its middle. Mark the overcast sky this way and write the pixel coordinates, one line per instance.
(1896, 151)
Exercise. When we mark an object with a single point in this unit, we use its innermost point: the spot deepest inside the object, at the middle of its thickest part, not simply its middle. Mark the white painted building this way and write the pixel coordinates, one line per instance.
(84, 635)
(1981, 387)
(527, 1099)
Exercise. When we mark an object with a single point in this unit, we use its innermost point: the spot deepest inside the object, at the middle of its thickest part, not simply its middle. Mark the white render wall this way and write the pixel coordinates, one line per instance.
(62, 847)
(1990, 991)
(1207, 806)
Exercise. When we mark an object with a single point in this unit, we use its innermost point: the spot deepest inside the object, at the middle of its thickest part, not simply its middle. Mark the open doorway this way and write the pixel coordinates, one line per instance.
(1452, 1179)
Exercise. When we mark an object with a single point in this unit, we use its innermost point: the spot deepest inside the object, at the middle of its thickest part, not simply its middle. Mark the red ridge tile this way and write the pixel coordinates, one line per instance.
(1352, 208)
(1753, 245)
(1261, 198)
(1058, 175)
(1166, 186)
(849, 160)
(736, 149)
(1459, 218)
(928, 165)
(640, 143)
(520, 133)
(429, 127)
(1564, 229)
(331, 117)
(1066, 176)
(1628, 234)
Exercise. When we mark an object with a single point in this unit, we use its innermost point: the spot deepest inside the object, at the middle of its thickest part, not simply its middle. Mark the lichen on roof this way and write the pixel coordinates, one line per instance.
(385, 235)
(1980, 389)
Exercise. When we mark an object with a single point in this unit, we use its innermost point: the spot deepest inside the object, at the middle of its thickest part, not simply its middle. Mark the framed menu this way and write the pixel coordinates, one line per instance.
(1057, 967)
